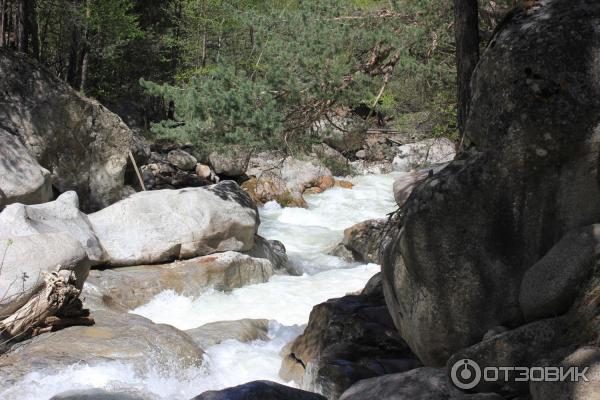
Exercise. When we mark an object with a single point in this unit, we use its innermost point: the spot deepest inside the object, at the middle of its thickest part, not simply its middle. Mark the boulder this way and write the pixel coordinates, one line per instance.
(333, 159)
(471, 231)
(204, 171)
(131, 287)
(424, 154)
(182, 160)
(127, 338)
(364, 238)
(245, 330)
(22, 179)
(82, 144)
(345, 132)
(263, 390)
(551, 285)
(24, 260)
(274, 176)
(418, 384)
(157, 226)
(581, 358)
(59, 216)
(230, 163)
(272, 250)
(525, 346)
(346, 340)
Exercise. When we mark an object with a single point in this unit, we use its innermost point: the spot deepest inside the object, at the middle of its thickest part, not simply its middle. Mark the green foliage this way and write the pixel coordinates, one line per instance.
(262, 73)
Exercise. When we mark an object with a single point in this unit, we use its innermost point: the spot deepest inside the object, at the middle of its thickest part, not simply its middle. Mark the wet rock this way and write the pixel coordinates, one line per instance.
(59, 216)
(272, 250)
(244, 330)
(82, 144)
(22, 179)
(128, 338)
(263, 390)
(131, 287)
(346, 340)
(158, 226)
(364, 238)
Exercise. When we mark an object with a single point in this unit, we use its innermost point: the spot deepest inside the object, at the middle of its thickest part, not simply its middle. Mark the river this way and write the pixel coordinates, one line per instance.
(309, 235)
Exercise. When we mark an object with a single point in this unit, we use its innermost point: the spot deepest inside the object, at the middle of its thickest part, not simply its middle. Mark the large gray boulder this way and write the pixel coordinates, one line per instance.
(82, 144)
(22, 179)
(263, 390)
(551, 285)
(157, 226)
(471, 231)
(59, 216)
(25, 259)
(131, 287)
(125, 338)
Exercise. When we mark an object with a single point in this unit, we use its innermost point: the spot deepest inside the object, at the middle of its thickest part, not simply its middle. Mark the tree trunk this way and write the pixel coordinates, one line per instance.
(33, 28)
(72, 68)
(21, 26)
(466, 27)
(2, 21)
(85, 52)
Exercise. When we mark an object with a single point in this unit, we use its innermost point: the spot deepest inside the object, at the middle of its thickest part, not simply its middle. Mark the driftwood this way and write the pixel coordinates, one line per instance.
(55, 306)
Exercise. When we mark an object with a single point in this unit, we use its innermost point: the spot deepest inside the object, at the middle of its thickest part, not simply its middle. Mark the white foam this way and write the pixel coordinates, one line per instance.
(286, 299)
(308, 235)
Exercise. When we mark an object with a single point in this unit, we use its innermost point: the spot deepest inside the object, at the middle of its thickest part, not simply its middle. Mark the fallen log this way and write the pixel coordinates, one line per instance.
(55, 306)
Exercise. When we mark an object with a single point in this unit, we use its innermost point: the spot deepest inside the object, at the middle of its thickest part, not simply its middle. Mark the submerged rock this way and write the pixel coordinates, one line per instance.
(82, 144)
(244, 330)
(263, 390)
(158, 226)
(22, 179)
(131, 287)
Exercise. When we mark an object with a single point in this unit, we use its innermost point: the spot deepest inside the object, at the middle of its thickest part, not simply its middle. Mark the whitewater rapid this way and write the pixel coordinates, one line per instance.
(309, 235)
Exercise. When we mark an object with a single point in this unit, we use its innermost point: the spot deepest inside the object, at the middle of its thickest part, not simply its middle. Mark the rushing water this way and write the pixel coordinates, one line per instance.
(308, 234)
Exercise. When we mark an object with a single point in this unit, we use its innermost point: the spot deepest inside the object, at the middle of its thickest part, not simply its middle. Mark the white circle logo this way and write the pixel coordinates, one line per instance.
(465, 374)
